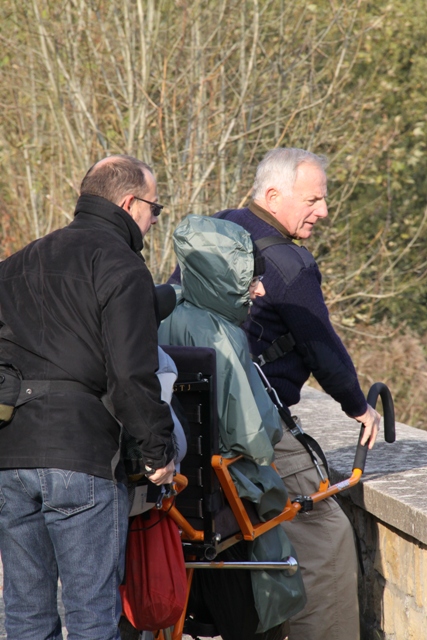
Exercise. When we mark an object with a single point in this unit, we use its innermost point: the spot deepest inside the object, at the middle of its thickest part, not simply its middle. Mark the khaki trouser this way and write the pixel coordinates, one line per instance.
(324, 542)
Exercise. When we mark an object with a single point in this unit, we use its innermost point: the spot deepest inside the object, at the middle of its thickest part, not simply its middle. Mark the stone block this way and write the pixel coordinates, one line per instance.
(401, 617)
(417, 625)
(380, 551)
(418, 570)
(387, 617)
(405, 575)
(422, 596)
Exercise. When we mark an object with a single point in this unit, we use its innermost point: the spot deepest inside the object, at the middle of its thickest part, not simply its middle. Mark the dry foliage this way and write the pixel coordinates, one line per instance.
(201, 90)
(396, 356)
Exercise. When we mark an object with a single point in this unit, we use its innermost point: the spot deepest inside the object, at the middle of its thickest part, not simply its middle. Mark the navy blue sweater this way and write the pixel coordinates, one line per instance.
(294, 302)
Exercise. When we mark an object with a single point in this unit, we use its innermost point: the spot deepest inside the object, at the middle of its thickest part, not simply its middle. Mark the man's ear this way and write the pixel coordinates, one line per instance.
(127, 203)
(272, 197)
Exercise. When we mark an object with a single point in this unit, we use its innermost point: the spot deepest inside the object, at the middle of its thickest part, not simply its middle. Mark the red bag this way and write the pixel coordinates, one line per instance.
(154, 593)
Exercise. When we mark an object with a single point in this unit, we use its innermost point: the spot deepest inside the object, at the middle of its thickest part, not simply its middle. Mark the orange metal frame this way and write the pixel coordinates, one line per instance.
(249, 531)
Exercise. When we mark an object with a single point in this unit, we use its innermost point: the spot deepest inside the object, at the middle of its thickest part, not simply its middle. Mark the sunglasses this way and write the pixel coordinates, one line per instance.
(155, 207)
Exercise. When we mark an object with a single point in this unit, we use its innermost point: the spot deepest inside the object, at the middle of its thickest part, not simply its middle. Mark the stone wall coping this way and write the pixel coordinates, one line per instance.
(394, 485)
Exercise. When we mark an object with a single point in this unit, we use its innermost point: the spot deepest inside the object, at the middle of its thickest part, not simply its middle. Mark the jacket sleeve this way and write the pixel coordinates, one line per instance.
(303, 310)
(129, 332)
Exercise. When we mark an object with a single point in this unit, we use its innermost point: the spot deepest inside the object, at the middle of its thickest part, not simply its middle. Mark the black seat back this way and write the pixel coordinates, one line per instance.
(196, 391)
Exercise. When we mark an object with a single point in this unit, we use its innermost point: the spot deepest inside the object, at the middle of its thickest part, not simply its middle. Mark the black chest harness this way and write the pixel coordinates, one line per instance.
(284, 343)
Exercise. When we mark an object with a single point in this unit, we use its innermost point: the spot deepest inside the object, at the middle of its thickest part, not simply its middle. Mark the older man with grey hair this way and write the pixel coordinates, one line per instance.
(291, 335)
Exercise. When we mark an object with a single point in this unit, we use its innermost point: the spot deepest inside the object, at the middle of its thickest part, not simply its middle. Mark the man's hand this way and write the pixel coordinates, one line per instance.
(163, 475)
(371, 422)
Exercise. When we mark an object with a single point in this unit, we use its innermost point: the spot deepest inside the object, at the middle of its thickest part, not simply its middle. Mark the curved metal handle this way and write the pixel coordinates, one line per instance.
(379, 389)
(382, 390)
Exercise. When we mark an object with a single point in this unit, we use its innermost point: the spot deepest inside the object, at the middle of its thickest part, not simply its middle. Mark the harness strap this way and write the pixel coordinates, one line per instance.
(285, 343)
(278, 348)
(270, 241)
(308, 442)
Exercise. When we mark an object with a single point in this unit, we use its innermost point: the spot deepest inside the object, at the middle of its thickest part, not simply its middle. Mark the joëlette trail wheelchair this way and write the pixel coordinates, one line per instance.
(211, 516)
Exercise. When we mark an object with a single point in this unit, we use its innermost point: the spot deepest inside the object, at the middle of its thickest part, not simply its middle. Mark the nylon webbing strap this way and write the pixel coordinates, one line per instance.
(277, 349)
(286, 342)
(310, 444)
(270, 241)
(292, 423)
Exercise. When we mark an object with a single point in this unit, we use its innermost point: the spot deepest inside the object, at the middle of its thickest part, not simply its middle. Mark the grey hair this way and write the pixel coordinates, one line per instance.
(279, 168)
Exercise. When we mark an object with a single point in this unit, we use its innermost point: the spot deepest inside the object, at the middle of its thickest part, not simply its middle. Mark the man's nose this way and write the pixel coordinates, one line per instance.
(322, 209)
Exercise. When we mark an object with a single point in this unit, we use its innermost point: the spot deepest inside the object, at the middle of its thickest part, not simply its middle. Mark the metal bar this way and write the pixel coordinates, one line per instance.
(228, 542)
(290, 565)
(179, 626)
(188, 532)
(167, 634)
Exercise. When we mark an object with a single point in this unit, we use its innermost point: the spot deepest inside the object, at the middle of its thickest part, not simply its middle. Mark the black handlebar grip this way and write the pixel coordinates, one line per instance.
(381, 389)
(361, 453)
(377, 389)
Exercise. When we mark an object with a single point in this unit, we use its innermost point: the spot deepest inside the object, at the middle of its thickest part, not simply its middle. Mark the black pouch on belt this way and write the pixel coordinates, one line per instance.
(10, 387)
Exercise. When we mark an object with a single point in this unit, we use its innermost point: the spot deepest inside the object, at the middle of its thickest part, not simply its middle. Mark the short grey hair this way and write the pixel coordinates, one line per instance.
(279, 169)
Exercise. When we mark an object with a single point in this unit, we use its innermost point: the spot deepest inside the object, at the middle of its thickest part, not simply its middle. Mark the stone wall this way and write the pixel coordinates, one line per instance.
(388, 509)
(393, 589)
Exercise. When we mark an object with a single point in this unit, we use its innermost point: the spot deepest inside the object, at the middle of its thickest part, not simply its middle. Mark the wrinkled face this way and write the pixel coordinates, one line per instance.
(141, 211)
(299, 212)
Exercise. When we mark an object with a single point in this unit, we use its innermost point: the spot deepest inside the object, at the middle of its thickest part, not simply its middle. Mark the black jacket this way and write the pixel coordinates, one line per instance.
(79, 305)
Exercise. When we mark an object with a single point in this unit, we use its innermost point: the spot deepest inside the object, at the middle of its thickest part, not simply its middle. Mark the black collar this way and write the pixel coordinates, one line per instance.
(111, 214)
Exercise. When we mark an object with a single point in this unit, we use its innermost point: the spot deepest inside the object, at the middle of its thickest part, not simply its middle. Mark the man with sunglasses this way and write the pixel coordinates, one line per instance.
(78, 318)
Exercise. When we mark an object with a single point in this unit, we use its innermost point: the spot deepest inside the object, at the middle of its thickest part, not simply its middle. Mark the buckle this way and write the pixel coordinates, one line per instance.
(261, 360)
(306, 503)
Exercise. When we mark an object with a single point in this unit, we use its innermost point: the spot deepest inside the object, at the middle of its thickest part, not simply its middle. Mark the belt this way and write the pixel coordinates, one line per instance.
(32, 389)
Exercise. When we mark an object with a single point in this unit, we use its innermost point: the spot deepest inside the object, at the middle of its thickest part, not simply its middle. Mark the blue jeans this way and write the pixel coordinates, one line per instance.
(67, 524)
